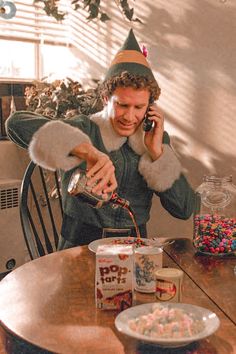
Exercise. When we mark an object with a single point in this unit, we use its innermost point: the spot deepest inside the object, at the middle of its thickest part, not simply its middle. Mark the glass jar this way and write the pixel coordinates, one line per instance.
(215, 216)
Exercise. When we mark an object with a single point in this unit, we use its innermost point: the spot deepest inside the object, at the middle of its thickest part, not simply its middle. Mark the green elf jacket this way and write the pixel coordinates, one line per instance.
(50, 142)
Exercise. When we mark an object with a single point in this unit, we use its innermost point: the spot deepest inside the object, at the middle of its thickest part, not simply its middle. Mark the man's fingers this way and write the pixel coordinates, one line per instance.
(103, 173)
(102, 160)
(106, 184)
(111, 186)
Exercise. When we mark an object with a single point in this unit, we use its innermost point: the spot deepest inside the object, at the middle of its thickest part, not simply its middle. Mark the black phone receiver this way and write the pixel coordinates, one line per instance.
(148, 124)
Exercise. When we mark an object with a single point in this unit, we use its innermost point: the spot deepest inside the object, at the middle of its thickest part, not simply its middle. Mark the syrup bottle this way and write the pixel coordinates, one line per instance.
(78, 187)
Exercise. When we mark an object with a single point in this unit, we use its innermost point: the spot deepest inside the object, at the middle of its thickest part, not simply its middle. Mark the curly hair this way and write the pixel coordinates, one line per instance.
(126, 79)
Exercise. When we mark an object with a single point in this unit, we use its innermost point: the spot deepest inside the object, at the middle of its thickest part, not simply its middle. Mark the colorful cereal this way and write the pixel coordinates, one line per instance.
(215, 234)
(137, 242)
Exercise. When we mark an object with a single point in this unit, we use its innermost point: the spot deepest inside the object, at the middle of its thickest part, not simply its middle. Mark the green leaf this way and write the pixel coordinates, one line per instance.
(129, 13)
(60, 17)
(93, 8)
(93, 12)
(124, 3)
(104, 17)
(86, 3)
(137, 20)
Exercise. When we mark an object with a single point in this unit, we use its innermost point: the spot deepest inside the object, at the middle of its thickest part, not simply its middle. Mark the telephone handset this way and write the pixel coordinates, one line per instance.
(148, 124)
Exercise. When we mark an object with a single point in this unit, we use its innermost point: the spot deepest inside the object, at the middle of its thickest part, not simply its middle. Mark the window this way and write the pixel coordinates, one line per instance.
(25, 38)
(13, 60)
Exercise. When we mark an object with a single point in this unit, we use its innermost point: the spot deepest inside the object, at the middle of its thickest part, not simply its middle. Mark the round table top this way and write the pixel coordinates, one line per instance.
(50, 302)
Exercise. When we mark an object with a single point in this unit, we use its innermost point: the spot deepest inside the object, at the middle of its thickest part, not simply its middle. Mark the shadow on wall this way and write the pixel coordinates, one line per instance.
(164, 225)
(198, 41)
(218, 163)
(192, 50)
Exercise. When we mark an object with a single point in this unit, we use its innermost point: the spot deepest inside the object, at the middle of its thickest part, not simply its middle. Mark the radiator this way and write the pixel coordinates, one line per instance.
(13, 251)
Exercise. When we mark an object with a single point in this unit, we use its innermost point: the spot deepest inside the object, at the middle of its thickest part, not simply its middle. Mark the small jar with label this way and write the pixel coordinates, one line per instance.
(215, 216)
(169, 282)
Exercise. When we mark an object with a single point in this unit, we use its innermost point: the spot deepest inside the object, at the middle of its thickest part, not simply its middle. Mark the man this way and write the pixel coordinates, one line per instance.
(114, 149)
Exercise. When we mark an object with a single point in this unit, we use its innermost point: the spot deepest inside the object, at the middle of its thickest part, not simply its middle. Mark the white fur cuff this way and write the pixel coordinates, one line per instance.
(52, 143)
(162, 173)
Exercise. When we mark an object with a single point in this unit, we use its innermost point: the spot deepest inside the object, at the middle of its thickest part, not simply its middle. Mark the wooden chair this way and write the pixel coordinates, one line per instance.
(3, 341)
(40, 210)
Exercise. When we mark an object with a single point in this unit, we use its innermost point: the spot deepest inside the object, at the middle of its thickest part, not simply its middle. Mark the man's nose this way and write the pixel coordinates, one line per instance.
(129, 114)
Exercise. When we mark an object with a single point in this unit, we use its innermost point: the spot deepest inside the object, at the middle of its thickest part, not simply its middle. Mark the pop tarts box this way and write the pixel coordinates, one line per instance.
(114, 277)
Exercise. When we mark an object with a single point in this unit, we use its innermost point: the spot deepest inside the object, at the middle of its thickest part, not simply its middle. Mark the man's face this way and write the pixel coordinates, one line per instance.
(126, 109)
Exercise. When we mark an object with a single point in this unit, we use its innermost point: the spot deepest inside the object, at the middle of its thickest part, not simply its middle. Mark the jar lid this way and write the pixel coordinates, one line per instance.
(169, 273)
(218, 179)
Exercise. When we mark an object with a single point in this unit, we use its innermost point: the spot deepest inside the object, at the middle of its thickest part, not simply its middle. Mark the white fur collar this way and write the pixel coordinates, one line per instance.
(113, 141)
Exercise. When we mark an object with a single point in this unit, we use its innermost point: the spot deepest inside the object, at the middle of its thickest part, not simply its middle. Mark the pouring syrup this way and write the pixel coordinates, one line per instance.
(116, 200)
(78, 187)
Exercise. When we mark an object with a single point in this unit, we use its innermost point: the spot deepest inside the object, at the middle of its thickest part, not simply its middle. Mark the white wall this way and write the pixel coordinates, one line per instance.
(13, 160)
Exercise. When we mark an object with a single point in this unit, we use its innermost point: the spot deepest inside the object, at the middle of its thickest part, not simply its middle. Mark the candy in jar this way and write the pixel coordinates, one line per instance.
(215, 216)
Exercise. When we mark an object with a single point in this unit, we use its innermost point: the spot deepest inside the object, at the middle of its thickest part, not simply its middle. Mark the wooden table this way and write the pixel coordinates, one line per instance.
(215, 276)
(50, 303)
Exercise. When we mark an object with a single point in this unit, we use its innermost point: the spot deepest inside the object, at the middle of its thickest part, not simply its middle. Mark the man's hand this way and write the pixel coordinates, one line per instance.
(100, 169)
(153, 138)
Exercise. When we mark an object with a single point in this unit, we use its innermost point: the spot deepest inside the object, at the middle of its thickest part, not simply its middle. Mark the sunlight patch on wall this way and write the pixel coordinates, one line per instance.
(221, 122)
(177, 9)
(202, 154)
(178, 96)
(178, 41)
(88, 39)
(99, 41)
(188, 148)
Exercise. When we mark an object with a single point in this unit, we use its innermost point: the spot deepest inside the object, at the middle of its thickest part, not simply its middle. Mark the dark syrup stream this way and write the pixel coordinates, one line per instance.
(116, 200)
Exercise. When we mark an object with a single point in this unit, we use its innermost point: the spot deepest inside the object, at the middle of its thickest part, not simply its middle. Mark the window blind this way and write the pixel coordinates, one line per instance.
(31, 24)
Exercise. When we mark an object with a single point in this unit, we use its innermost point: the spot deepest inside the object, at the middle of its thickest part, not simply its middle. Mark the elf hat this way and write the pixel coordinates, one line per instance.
(130, 58)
